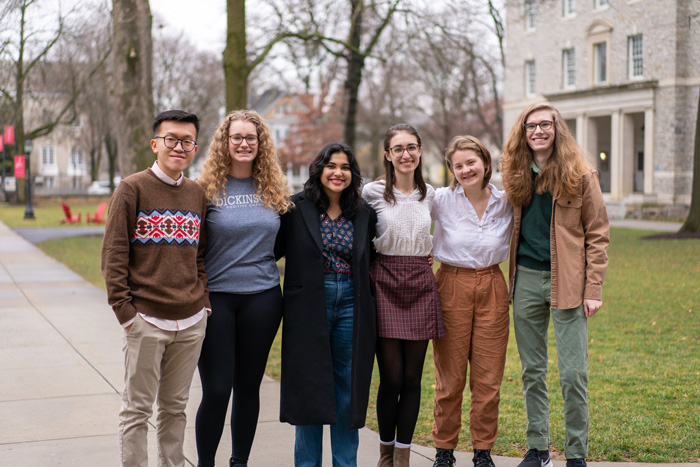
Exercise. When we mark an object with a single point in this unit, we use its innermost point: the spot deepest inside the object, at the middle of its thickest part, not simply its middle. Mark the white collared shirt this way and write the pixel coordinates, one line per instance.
(169, 324)
(462, 239)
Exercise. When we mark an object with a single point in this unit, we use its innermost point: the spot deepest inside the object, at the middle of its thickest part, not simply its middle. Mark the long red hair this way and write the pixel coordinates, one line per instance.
(565, 168)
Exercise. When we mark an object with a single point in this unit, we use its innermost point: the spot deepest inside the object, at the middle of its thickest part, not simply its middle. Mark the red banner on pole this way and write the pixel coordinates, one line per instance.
(9, 134)
(1, 145)
(19, 167)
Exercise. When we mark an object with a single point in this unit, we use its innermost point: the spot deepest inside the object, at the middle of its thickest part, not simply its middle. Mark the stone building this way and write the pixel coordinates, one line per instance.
(625, 74)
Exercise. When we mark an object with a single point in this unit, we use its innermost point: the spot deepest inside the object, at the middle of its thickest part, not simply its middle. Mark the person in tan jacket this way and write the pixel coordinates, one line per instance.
(557, 265)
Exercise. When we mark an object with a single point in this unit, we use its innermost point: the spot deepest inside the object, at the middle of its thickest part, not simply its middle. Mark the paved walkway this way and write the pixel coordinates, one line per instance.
(61, 377)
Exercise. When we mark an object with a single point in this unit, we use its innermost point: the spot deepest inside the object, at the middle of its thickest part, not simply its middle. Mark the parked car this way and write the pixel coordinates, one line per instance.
(101, 187)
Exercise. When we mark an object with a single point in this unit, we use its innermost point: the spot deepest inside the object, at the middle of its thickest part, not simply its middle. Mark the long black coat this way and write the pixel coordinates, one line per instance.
(308, 391)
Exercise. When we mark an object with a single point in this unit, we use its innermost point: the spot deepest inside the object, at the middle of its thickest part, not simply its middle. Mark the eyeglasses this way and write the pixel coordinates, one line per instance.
(397, 151)
(544, 125)
(238, 139)
(171, 143)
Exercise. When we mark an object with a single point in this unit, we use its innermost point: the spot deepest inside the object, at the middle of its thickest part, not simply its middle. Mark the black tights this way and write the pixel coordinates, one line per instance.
(398, 400)
(239, 335)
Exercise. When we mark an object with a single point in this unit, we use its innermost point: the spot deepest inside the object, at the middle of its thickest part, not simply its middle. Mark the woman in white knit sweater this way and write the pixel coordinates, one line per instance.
(408, 306)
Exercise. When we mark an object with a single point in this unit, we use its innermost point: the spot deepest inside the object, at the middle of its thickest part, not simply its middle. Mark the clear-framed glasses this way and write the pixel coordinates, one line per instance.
(544, 126)
(397, 151)
(171, 143)
(252, 140)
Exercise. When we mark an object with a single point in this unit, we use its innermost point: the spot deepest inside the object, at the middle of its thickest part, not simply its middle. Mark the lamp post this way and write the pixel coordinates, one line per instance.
(29, 211)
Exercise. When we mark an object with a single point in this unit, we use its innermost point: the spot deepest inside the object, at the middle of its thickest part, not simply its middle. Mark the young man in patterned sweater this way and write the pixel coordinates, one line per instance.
(156, 284)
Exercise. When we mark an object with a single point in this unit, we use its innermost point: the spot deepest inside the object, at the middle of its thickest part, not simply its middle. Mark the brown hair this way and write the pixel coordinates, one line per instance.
(565, 168)
(464, 143)
(390, 176)
(269, 179)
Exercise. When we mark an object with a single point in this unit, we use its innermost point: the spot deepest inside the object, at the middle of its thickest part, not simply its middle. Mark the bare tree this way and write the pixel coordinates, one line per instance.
(28, 53)
(177, 87)
(133, 89)
(692, 222)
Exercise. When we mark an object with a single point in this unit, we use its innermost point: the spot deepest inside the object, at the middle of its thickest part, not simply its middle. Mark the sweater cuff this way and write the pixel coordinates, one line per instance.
(125, 313)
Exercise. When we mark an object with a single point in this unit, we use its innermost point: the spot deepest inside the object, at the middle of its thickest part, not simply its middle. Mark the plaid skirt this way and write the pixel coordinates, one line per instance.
(408, 304)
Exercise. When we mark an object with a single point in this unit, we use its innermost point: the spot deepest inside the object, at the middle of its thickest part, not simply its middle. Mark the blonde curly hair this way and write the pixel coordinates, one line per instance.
(267, 174)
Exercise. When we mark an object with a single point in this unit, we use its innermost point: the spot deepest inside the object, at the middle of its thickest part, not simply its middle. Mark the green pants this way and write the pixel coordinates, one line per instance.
(531, 309)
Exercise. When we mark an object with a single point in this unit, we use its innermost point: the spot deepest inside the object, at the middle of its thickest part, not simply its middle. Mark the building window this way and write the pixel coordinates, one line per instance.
(48, 156)
(569, 7)
(600, 3)
(76, 157)
(530, 78)
(635, 56)
(600, 56)
(568, 60)
(530, 14)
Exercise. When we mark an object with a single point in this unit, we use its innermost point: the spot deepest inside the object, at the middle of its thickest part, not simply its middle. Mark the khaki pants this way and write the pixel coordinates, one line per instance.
(475, 311)
(157, 363)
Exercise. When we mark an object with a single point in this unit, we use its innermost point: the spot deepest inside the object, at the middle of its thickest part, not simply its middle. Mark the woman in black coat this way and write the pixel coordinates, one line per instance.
(329, 325)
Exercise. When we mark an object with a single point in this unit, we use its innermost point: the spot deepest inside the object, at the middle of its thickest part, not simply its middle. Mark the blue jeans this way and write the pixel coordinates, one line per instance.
(308, 448)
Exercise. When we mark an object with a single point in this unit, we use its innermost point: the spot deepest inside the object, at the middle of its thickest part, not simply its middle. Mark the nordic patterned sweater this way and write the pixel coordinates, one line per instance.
(152, 253)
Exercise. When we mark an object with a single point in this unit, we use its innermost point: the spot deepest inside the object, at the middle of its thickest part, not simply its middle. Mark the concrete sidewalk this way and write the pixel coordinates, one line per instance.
(61, 366)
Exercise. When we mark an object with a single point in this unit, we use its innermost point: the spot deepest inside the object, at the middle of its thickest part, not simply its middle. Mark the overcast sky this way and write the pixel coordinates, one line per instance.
(203, 21)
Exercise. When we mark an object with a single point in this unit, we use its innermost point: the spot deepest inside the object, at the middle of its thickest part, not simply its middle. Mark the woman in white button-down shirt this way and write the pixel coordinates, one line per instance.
(473, 223)
(408, 306)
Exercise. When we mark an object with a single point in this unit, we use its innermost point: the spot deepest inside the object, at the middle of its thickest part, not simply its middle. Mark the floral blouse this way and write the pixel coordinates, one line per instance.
(337, 243)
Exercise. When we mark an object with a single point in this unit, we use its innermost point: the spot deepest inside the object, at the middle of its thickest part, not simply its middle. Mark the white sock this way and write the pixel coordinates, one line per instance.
(387, 443)
(402, 446)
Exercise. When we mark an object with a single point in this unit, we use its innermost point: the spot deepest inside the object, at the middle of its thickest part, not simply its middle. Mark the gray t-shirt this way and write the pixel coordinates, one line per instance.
(241, 234)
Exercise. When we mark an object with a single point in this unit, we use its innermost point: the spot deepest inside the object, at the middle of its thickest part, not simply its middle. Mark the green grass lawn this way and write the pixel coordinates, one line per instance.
(644, 356)
(48, 213)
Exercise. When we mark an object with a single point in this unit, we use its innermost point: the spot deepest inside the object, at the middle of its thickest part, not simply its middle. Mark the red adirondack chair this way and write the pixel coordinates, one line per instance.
(69, 218)
(98, 218)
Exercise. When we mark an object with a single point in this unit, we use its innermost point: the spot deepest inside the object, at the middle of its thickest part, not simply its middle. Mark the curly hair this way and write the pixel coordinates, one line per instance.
(563, 174)
(468, 143)
(269, 179)
(351, 197)
(390, 175)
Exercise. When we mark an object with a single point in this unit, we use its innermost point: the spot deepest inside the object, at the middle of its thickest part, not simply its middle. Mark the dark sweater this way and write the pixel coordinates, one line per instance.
(534, 243)
(152, 253)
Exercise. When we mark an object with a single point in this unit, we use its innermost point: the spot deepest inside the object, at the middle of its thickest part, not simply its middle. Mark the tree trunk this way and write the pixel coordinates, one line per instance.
(132, 60)
(356, 63)
(692, 223)
(112, 153)
(236, 67)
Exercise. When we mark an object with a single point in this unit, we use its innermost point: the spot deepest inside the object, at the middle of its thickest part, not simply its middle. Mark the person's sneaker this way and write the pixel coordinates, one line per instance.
(535, 458)
(444, 458)
(482, 458)
(575, 463)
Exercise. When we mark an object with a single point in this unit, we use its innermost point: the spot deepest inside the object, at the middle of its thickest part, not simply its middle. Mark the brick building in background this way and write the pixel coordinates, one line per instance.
(625, 74)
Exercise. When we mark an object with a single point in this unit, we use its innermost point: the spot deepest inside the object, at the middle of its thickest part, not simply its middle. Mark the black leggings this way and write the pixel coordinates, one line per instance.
(239, 335)
(398, 400)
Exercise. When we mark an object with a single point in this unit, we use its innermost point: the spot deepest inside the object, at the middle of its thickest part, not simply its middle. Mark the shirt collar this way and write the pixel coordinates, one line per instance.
(535, 168)
(494, 191)
(165, 177)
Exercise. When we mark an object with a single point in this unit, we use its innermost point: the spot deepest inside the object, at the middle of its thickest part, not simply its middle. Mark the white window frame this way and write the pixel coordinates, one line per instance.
(76, 152)
(48, 156)
(598, 4)
(530, 78)
(635, 56)
(48, 161)
(568, 68)
(530, 14)
(598, 66)
(569, 8)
